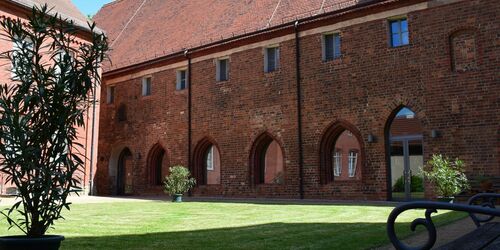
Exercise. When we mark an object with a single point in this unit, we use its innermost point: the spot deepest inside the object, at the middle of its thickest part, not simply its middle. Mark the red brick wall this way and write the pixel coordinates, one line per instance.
(84, 133)
(365, 87)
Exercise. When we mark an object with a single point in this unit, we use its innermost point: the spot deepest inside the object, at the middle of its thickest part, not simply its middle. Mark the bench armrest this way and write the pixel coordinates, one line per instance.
(431, 207)
(484, 200)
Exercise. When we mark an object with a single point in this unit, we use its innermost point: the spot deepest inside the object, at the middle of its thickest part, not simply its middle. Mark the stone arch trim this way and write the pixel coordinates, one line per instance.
(258, 150)
(198, 171)
(157, 152)
(327, 145)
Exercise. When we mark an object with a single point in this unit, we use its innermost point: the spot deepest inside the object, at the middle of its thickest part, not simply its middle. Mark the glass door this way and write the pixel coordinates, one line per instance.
(406, 166)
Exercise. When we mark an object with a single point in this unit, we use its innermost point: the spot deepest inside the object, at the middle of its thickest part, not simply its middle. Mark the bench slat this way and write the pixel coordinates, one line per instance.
(477, 239)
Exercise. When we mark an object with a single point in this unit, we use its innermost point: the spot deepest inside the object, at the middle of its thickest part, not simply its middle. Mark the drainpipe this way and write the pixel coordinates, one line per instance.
(190, 167)
(91, 175)
(299, 110)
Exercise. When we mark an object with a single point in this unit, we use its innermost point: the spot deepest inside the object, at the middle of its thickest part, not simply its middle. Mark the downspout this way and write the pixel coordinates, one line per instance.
(91, 175)
(190, 167)
(299, 110)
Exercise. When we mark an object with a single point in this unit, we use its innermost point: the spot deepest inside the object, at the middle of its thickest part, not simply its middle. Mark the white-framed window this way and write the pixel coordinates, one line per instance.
(61, 56)
(222, 69)
(181, 82)
(353, 161)
(146, 86)
(17, 46)
(331, 46)
(337, 163)
(271, 59)
(210, 158)
(110, 94)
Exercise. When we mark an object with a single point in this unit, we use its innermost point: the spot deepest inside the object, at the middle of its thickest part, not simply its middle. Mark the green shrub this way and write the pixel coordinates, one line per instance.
(448, 176)
(417, 184)
(178, 181)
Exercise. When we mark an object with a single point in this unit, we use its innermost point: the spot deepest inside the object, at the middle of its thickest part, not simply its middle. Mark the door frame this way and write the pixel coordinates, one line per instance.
(406, 162)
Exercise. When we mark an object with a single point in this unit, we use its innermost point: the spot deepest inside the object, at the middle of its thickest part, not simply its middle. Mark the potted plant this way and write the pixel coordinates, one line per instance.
(178, 182)
(447, 176)
(41, 110)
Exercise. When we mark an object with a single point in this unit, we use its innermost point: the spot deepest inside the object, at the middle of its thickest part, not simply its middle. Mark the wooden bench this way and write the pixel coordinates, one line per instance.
(481, 209)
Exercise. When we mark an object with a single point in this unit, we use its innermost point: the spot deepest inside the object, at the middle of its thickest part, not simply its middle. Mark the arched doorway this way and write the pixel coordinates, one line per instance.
(207, 167)
(405, 156)
(124, 165)
(267, 165)
(157, 165)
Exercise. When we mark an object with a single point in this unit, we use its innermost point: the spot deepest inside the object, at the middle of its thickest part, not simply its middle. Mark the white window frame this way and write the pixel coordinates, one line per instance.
(218, 75)
(210, 159)
(323, 45)
(178, 82)
(276, 58)
(110, 94)
(337, 163)
(145, 84)
(15, 47)
(353, 162)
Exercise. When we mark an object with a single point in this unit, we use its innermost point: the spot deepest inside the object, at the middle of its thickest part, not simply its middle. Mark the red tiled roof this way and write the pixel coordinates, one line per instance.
(403, 126)
(141, 30)
(65, 8)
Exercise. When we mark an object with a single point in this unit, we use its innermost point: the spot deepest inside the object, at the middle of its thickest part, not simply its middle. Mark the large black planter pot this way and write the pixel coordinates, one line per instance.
(49, 242)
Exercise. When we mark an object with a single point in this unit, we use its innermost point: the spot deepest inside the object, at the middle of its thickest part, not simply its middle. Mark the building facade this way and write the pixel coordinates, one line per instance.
(14, 9)
(314, 99)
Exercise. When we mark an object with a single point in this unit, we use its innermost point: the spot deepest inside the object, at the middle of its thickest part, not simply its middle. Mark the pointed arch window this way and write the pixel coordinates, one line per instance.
(267, 161)
(157, 165)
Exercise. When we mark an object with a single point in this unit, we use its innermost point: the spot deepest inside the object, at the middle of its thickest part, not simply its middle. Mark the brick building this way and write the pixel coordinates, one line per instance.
(66, 10)
(327, 99)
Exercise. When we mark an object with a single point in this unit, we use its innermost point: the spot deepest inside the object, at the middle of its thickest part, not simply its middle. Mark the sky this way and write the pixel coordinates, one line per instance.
(90, 7)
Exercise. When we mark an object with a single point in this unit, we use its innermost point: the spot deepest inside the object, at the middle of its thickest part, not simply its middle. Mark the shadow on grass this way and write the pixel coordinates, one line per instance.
(263, 236)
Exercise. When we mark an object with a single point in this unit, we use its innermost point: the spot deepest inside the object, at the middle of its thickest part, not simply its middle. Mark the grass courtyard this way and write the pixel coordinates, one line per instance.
(219, 225)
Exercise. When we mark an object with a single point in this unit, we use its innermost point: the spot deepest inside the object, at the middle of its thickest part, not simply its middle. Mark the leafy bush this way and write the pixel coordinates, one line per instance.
(448, 176)
(178, 181)
(42, 107)
(417, 184)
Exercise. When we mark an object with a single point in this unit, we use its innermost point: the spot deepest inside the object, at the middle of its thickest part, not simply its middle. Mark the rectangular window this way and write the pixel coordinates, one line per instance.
(353, 161)
(146, 86)
(18, 60)
(331, 46)
(337, 163)
(399, 32)
(110, 95)
(271, 59)
(181, 79)
(222, 70)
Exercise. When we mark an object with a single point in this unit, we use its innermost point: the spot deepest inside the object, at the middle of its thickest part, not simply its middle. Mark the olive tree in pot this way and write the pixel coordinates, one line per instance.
(448, 176)
(53, 82)
(178, 182)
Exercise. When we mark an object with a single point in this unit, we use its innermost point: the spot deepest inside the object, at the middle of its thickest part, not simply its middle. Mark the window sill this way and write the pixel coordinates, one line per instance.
(400, 46)
(145, 97)
(180, 91)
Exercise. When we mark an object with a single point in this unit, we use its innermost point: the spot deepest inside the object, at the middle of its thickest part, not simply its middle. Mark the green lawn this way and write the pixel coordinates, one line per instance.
(210, 225)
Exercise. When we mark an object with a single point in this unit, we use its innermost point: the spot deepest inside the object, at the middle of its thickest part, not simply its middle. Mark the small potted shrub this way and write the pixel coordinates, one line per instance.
(178, 182)
(42, 108)
(447, 176)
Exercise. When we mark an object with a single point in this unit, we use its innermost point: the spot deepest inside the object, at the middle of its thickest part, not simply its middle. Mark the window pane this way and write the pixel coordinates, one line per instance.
(404, 25)
(405, 38)
(223, 70)
(328, 47)
(271, 59)
(395, 27)
(337, 46)
(395, 40)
